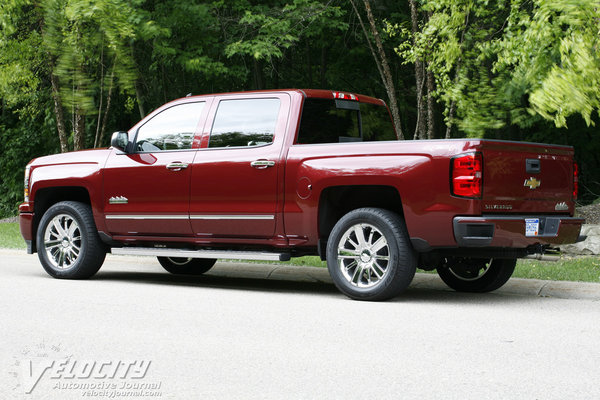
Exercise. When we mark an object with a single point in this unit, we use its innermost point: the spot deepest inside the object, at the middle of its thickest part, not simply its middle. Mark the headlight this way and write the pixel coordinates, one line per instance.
(26, 184)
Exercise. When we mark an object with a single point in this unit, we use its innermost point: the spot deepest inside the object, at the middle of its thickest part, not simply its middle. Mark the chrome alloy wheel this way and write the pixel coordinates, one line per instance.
(62, 241)
(363, 255)
(469, 272)
(179, 260)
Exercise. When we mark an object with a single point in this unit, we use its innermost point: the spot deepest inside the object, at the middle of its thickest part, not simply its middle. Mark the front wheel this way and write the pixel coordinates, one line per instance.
(369, 256)
(475, 274)
(68, 243)
(186, 266)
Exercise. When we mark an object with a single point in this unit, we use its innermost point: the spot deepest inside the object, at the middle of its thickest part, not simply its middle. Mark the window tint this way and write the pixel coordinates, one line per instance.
(242, 123)
(172, 129)
(335, 121)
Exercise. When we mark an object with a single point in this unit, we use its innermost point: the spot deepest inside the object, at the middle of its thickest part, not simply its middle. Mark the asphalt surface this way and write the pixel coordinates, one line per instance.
(275, 332)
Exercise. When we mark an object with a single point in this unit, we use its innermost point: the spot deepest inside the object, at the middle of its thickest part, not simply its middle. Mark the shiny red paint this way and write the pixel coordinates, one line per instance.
(220, 182)
(151, 190)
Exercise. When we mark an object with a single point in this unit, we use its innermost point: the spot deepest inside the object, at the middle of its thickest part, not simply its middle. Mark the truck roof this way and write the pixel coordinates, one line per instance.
(312, 93)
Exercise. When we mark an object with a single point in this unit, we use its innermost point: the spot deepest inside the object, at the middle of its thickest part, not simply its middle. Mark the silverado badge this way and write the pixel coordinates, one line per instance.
(118, 200)
(532, 183)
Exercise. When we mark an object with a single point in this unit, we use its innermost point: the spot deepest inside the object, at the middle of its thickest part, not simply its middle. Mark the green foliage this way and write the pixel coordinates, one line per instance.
(22, 61)
(572, 84)
(270, 30)
(510, 62)
(20, 141)
(513, 69)
(84, 36)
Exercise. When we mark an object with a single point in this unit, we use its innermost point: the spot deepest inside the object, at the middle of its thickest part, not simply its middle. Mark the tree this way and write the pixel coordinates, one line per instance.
(510, 63)
(78, 50)
(381, 61)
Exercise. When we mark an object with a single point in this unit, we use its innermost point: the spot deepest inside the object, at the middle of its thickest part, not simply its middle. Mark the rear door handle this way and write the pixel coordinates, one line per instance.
(177, 166)
(262, 164)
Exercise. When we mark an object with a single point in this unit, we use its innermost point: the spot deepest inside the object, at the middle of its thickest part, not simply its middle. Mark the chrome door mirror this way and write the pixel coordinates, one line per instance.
(120, 141)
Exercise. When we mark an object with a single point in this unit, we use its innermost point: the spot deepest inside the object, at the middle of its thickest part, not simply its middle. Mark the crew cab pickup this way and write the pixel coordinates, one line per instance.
(276, 174)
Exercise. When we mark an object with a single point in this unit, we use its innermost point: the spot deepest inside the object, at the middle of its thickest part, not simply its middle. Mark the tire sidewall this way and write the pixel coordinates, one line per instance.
(379, 291)
(195, 266)
(62, 208)
(497, 275)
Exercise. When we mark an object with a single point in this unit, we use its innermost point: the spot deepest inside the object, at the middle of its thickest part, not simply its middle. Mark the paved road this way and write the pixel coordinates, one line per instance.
(233, 335)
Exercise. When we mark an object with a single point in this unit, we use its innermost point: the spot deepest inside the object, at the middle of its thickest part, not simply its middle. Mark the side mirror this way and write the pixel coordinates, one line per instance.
(120, 140)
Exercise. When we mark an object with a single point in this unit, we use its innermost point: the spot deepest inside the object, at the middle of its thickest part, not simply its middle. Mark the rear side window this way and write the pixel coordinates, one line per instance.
(245, 122)
(337, 121)
(172, 129)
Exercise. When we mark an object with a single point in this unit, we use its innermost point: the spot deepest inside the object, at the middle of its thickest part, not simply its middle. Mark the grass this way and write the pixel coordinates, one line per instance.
(583, 269)
(10, 236)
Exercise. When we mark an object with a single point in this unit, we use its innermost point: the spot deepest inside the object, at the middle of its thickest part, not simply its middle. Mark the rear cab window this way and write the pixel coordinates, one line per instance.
(340, 121)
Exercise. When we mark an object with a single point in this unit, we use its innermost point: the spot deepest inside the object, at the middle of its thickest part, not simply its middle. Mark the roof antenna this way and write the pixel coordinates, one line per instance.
(188, 95)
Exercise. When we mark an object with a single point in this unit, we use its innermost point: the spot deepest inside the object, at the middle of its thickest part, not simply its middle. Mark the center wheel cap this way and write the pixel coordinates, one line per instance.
(365, 256)
(65, 242)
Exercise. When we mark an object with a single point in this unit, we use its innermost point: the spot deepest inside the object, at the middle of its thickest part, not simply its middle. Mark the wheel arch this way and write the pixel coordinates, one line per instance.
(47, 197)
(336, 201)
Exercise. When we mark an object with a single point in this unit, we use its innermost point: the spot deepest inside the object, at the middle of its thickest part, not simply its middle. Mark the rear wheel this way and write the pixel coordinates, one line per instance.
(68, 243)
(186, 266)
(476, 274)
(369, 256)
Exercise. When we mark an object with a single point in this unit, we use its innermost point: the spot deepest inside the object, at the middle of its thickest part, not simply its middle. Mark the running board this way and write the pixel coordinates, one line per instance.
(229, 254)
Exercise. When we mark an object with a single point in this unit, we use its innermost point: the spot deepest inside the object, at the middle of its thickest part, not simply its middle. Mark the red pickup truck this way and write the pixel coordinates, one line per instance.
(277, 174)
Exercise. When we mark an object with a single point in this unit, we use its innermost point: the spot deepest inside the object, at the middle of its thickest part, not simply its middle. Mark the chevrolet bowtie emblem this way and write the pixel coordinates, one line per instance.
(532, 183)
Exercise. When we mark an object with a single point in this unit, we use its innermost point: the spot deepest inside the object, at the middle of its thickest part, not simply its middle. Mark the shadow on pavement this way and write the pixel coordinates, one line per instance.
(412, 294)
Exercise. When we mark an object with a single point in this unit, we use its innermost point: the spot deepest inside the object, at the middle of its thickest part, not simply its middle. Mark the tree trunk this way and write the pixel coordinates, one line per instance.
(420, 128)
(257, 69)
(382, 65)
(323, 69)
(138, 96)
(96, 137)
(108, 103)
(59, 113)
(449, 119)
(430, 106)
(309, 65)
(452, 109)
(105, 119)
(79, 133)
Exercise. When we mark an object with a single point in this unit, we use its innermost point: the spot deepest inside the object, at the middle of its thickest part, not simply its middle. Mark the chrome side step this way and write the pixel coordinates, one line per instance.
(230, 254)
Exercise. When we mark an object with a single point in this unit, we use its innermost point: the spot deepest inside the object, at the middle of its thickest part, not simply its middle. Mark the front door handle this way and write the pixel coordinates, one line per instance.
(262, 164)
(177, 166)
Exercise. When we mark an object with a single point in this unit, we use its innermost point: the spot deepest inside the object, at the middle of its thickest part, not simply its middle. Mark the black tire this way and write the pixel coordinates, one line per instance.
(68, 243)
(476, 275)
(186, 266)
(367, 272)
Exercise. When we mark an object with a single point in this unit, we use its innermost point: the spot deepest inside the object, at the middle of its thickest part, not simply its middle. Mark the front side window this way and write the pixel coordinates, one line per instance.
(245, 122)
(336, 121)
(172, 129)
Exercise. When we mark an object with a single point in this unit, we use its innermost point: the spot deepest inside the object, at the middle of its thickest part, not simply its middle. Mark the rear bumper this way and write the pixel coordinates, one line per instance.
(509, 231)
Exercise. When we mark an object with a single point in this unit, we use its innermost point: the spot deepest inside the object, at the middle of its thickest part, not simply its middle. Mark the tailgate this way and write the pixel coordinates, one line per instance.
(527, 178)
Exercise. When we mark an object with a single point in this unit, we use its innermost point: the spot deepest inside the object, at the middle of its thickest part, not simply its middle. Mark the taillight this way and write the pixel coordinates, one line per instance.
(467, 175)
(575, 181)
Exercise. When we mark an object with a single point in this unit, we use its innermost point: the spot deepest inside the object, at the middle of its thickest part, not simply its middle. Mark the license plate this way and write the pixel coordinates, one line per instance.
(532, 226)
